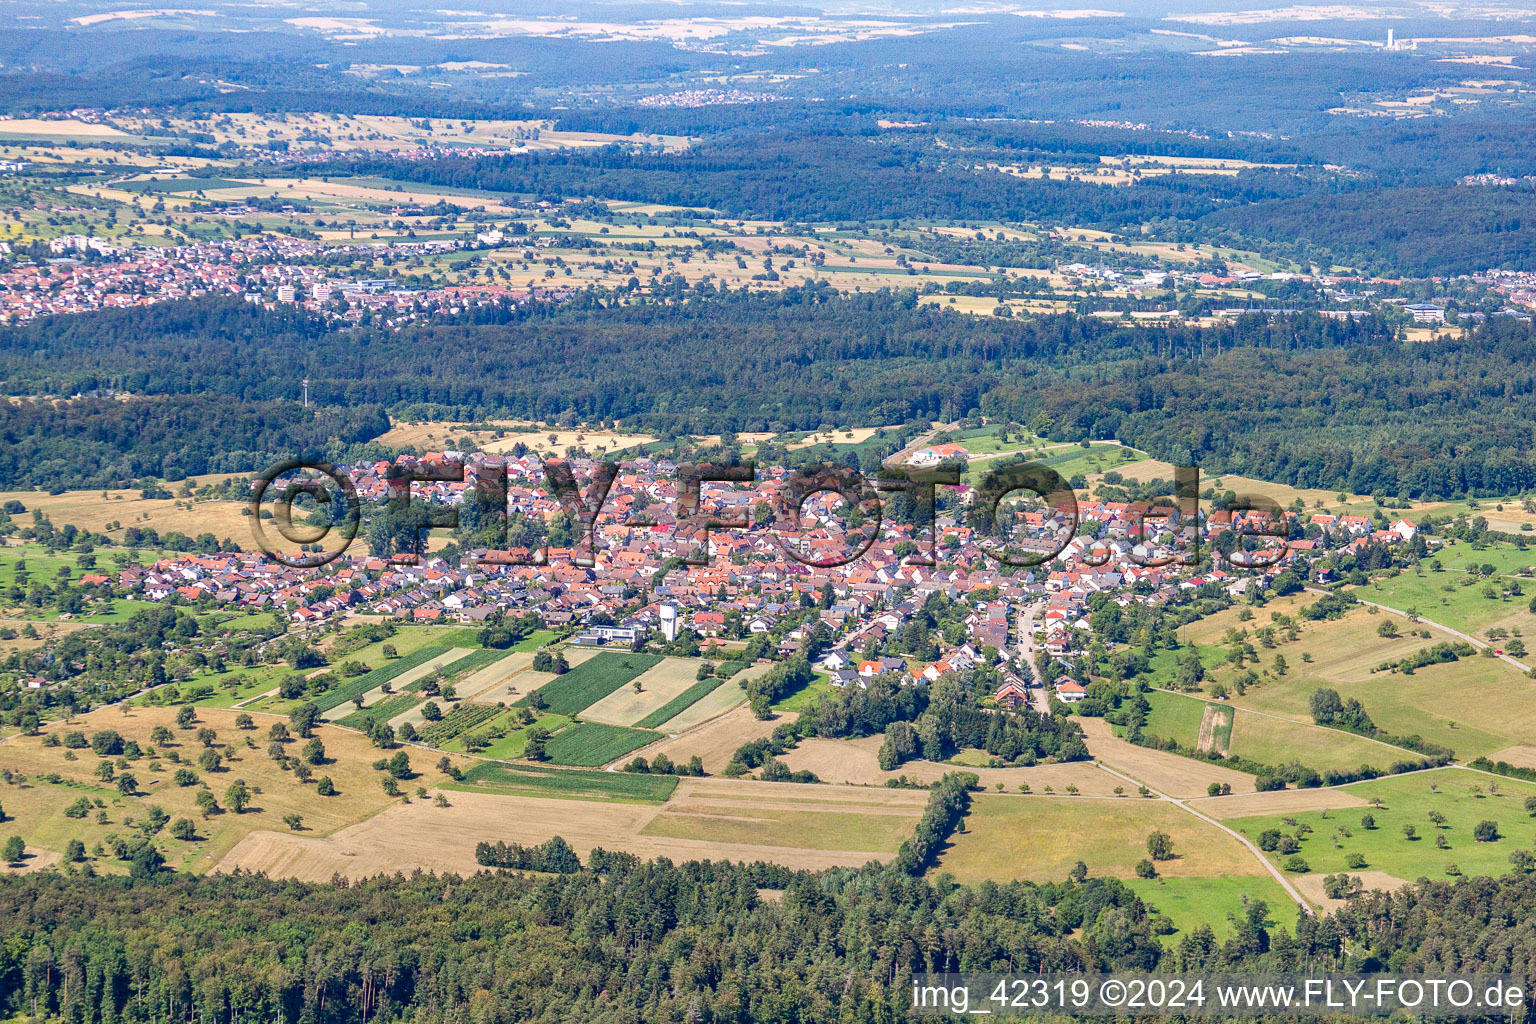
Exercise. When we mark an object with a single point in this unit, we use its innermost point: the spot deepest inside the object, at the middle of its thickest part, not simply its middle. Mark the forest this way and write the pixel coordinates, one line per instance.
(621, 941)
(1302, 400)
(105, 442)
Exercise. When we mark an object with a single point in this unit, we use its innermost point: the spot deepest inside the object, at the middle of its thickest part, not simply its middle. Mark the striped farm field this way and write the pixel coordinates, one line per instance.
(659, 685)
(677, 705)
(591, 681)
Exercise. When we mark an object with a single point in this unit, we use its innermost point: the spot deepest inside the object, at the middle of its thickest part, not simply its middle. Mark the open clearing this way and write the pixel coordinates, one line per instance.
(1038, 839)
(1344, 651)
(1263, 737)
(420, 835)
(1311, 886)
(1192, 902)
(1341, 654)
(658, 685)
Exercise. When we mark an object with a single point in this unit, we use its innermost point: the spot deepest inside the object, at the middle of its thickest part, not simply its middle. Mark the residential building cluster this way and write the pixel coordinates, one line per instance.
(746, 580)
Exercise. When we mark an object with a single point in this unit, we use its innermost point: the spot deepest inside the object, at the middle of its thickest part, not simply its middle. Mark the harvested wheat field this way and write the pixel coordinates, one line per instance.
(420, 835)
(1167, 773)
(775, 815)
(1284, 801)
(717, 741)
(855, 762)
(658, 685)
(1522, 756)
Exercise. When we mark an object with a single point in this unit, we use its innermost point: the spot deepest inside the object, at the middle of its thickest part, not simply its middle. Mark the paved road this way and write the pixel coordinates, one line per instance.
(1026, 646)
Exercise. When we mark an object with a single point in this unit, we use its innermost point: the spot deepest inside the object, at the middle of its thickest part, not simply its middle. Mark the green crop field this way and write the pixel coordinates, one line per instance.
(569, 783)
(1463, 797)
(588, 744)
(591, 681)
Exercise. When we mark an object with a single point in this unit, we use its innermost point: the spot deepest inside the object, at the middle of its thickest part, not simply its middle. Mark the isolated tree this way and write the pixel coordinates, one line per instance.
(15, 850)
(325, 787)
(304, 718)
(1160, 846)
(237, 796)
(183, 829)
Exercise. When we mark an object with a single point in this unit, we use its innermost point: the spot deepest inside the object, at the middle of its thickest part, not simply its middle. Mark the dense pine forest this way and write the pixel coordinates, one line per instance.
(1303, 400)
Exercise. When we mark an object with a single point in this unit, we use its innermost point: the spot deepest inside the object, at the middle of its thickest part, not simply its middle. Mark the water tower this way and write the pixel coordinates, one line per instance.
(669, 621)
